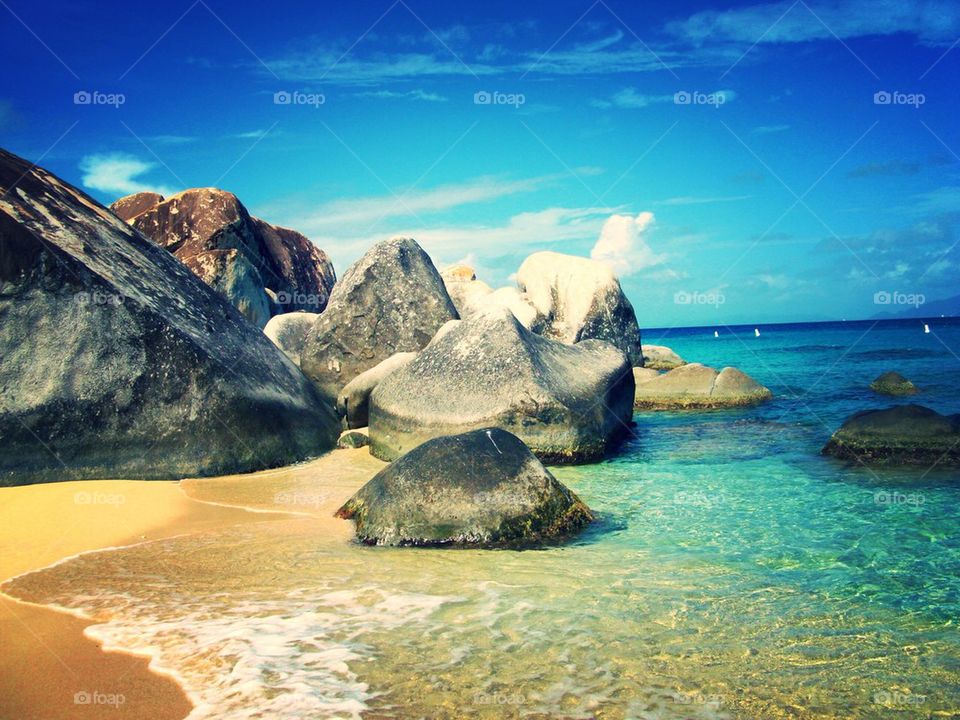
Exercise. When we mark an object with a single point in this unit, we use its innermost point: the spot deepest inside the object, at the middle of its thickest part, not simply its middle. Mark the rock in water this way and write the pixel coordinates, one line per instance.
(696, 386)
(353, 438)
(660, 357)
(568, 403)
(391, 300)
(893, 383)
(213, 234)
(289, 332)
(482, 488)
(579, 299)
(117, 362)
(905, 434)
(353, 402)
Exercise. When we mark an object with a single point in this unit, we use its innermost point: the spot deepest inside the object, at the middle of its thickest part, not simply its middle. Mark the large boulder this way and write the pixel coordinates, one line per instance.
(696, 386)
(660, 357)
(905, 434)
(353, 401)
(391, 300)
(470, 295)
(482, 488)
(117, 361)
(893, 383)
(289, 332)
(213, 234)
(568, 403)
(579, 299)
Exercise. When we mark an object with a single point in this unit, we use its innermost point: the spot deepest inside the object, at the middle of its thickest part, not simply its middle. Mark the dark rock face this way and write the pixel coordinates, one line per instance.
(391, 300)
(579, 299)
(905, 434)
(568, 403)
(116, 361)
(696, 386)
(354, 438)
(893, 383)
(213, 234)
(482, 488)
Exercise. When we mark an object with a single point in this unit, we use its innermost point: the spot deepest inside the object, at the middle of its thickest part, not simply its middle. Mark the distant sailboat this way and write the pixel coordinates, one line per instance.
(756, 332)
(716, 334)
(926, 328)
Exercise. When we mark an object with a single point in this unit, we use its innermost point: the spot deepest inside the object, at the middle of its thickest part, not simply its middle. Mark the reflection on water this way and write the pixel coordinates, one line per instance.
(734, 573)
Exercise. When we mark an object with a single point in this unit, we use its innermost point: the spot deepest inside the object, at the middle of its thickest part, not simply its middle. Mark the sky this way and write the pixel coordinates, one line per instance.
(736, 162)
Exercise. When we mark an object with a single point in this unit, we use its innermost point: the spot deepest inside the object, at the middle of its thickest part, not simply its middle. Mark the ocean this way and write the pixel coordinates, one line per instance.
(733, 572)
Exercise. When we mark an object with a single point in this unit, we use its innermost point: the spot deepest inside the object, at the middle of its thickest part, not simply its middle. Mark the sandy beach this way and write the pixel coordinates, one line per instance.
(50, 667)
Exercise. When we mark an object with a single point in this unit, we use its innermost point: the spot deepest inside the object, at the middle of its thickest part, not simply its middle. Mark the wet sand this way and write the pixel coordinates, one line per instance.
(49, 668)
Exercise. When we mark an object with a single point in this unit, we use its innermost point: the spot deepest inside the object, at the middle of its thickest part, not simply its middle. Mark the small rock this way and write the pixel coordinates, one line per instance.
(893, 383)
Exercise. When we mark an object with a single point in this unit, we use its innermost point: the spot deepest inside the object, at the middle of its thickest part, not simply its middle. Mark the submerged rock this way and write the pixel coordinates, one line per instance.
(391, 300)
(893, 383)
(904, 434)
(353, 402)
(568, 403)
(482, 488)
(289, 332)
(660, 357)
(213, 234)
(118, 362)
(696, 386)
(579, 299)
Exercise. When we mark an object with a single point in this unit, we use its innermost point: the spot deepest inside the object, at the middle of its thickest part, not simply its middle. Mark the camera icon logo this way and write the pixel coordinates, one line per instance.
(882, 298)
(282, 97)
(82, 697)
(82, 97)
(681, 298)
(682, 98)
(882, 97)
(482, 97)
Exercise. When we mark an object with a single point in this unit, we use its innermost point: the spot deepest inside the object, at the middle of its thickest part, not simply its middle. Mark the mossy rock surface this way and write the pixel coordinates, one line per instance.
(893, 383)
(479, 489)
(901, 435)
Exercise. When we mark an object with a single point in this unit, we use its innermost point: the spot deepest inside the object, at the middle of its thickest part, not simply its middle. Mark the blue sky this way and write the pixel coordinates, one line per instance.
(732, 161)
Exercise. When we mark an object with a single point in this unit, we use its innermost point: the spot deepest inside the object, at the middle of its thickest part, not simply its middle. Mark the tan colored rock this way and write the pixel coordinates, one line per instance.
(696, 386)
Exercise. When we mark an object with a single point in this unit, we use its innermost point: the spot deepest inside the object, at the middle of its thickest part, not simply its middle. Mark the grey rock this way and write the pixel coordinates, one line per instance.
(644, 374)
(353, 402)
(482, 488)
(696, 386)
(893, 383)
(289, 332)
(117, 362)
(391, 300)
(900, 435)
(568, 403)
(660, 357)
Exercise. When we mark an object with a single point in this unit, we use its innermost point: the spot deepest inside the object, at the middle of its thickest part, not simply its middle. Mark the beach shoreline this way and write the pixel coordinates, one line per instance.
(49, 524)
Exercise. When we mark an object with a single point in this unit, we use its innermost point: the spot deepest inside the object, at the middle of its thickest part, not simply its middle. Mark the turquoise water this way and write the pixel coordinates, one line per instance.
(733, 573)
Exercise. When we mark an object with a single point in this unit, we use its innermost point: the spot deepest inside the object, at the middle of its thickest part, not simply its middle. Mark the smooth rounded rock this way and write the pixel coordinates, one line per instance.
(893, 383)
(904, 434)
(696, 386)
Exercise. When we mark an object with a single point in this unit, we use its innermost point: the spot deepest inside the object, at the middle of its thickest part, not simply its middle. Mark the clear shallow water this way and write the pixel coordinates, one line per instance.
(734, 573)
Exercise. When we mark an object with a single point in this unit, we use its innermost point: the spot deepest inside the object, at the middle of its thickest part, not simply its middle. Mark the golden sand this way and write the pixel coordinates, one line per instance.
(46, 658)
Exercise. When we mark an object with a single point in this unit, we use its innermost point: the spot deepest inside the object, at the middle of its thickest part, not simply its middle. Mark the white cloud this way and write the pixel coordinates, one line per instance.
(117, 173)
(696, 200)
(622, 244)
(630, 98)
(407, 95)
